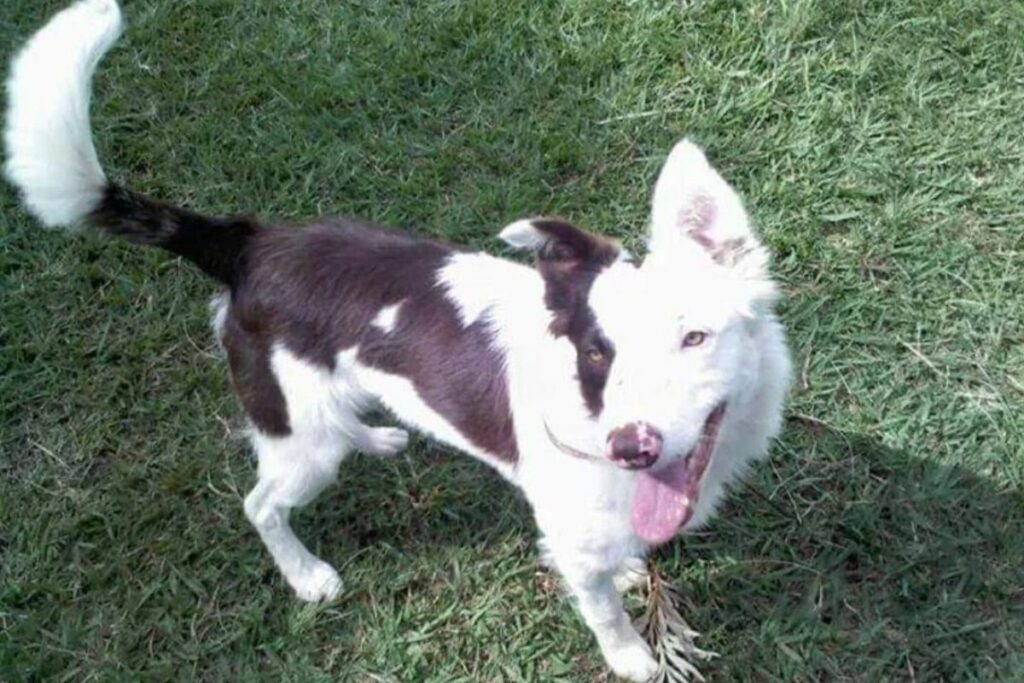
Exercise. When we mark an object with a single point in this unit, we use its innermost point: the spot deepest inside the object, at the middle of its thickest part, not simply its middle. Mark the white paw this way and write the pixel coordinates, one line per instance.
(386, 441)
(632, 574)
(632, 662)
(318, 582)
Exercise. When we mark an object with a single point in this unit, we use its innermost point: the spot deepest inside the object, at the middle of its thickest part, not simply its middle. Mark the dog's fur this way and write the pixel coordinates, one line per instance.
(578, 379)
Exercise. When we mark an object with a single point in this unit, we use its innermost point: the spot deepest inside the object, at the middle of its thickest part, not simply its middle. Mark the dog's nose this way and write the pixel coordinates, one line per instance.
(635, 446)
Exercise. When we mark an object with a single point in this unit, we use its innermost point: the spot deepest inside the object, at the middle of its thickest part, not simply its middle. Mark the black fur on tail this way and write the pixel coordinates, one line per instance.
(216, 245)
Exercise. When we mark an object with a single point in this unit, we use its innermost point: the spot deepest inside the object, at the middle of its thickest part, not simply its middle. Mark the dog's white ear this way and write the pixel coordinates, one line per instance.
(553, 239)
(523, 234)
(692, 202)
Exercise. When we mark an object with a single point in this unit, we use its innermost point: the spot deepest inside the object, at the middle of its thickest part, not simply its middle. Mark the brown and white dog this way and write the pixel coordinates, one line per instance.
(620, 396)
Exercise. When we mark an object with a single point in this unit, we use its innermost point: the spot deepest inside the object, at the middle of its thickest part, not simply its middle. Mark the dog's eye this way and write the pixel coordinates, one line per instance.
(595, 355)
(694, 338)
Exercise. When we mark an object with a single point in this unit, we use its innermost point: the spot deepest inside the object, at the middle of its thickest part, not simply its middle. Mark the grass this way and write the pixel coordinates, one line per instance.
(880, 147)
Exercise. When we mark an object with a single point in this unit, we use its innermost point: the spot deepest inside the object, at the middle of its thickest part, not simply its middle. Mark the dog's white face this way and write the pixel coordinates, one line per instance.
(672, 359)
(664, 348)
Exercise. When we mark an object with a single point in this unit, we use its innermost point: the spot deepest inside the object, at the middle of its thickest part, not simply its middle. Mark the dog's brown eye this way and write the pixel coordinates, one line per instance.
(595, 356)
(694, 338)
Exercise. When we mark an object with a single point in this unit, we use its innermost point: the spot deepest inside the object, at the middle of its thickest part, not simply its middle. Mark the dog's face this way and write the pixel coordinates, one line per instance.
(663, 346)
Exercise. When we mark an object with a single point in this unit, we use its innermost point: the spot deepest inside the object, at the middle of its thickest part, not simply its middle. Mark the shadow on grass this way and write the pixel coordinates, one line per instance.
(842, 560)
(850, 561)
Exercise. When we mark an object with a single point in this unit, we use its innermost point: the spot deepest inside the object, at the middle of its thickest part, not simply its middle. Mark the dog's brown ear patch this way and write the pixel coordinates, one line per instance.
(565, 242)
(568, 258)
(553, 239)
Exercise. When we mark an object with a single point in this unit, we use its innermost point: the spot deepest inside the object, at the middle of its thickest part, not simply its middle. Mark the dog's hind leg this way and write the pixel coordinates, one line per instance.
(292, 471)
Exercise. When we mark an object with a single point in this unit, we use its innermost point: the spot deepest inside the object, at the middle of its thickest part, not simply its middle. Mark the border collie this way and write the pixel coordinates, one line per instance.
(620, 395)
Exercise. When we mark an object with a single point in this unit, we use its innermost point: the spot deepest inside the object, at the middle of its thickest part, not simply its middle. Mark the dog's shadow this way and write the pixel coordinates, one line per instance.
(839, 560)
(845, 560)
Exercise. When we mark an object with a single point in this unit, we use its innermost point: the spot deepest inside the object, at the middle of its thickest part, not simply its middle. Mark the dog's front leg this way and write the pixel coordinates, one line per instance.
(632, 573)
(601, 607)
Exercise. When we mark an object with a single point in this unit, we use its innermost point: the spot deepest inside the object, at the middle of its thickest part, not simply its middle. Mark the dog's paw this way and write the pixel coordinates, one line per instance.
(318, 583)
(632, 574)
(632, 662)
(385, 441)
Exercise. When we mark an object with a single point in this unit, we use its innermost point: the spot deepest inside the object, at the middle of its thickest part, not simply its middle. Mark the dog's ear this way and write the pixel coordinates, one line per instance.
(561, 244)
(568, 258)
(693, 202)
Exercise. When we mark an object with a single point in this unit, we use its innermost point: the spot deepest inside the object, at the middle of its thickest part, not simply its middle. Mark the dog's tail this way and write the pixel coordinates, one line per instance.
(52, 161)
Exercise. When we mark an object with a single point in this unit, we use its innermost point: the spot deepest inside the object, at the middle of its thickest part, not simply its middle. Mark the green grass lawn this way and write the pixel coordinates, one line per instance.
(880, 145)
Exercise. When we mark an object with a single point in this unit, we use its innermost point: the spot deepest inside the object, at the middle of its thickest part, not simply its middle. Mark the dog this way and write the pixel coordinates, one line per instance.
(621, 395)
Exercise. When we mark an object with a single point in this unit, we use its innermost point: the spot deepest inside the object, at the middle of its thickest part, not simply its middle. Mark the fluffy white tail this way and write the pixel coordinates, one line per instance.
(51, 158)
(50, 153)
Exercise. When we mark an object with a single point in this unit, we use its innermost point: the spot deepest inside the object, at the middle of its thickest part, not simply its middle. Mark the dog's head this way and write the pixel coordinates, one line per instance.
(664, 345)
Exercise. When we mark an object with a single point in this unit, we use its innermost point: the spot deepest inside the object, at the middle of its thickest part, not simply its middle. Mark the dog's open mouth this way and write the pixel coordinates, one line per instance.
(664, 500)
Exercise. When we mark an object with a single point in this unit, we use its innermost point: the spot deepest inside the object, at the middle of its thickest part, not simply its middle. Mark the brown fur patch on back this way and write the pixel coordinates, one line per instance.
(456, 370)
(318, 289)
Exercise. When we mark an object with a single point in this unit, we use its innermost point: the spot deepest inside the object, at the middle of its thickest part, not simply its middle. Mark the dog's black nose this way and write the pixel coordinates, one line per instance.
(635, 446)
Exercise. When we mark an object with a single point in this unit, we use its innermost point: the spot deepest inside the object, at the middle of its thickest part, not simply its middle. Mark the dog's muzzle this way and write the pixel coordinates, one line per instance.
(636, 446)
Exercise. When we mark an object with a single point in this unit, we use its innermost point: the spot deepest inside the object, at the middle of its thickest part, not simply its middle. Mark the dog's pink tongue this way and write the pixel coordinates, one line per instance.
(663, 502)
